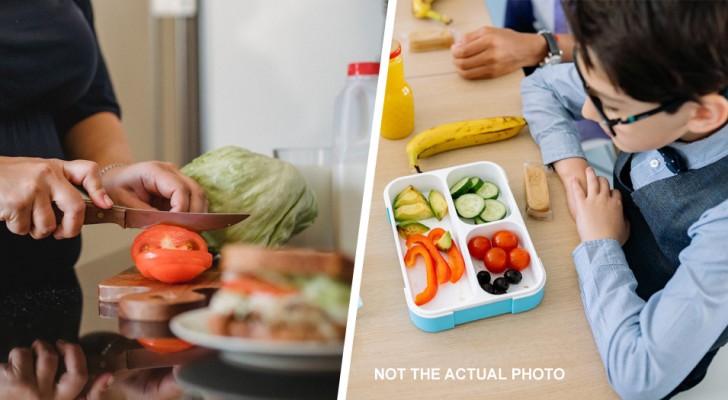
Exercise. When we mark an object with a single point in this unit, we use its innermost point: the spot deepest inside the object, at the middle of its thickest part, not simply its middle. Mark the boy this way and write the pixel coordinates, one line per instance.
(653, 262)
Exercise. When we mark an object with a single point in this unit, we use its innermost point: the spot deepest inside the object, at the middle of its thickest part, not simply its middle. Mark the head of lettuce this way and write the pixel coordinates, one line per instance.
(273, 192)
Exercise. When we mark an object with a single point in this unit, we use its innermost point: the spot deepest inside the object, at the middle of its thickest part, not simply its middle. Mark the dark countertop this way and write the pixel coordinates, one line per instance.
(71, 312)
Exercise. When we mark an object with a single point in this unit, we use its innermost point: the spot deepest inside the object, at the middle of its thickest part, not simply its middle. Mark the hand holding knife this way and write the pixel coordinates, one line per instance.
(139, 218)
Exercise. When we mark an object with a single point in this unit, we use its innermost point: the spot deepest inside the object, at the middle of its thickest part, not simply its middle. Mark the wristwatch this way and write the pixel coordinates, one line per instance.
(554, 51)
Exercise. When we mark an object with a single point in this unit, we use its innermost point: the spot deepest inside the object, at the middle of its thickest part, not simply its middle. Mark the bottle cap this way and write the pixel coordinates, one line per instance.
(364, 68)
(395, 50)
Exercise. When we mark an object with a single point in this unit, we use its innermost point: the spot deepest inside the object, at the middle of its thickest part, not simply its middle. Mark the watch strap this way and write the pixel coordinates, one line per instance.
(554, 51)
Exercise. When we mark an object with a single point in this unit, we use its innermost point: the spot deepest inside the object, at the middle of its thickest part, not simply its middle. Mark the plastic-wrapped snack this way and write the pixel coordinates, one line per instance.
(430, 39)
(538, 201)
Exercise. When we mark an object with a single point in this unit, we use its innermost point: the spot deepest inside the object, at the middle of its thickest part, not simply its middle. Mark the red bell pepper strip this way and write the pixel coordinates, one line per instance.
(455, 258)
(457, 264)
(443, 269)
(429, 292)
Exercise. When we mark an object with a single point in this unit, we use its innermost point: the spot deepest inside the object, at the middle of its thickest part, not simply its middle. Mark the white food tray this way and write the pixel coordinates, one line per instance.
(465, 300)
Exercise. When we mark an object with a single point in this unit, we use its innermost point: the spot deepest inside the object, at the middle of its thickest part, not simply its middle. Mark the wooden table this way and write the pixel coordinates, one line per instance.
(553, 335)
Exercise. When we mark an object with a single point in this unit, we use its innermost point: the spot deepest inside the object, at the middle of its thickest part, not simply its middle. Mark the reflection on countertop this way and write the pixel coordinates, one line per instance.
(159, 366)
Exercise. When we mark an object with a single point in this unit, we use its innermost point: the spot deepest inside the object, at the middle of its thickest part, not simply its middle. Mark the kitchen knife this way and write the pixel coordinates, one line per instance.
(138, 218)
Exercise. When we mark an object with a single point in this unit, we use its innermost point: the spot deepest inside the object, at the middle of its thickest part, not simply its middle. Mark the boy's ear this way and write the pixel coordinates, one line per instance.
(711, 114)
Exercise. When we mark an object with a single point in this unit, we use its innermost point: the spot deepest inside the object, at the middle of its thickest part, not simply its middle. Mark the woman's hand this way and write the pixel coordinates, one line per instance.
(598, 210)
(31, 372)
(154, 184)
(30, 186)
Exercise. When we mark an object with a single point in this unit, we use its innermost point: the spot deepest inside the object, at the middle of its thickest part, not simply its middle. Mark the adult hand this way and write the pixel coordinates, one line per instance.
(29, 187)
(492, 52)
(152, 383)
(154, 184)
(598, 210)
(31, 372)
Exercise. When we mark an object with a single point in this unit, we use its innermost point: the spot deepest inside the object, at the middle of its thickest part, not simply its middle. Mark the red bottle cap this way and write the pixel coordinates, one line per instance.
(396, 49)
(364, 68)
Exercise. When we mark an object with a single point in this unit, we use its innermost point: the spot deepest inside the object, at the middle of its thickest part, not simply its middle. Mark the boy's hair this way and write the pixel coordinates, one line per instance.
(655, 51)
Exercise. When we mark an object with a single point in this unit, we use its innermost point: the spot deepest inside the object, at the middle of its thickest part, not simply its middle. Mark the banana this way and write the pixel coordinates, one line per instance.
(423, 9)
(456, 135)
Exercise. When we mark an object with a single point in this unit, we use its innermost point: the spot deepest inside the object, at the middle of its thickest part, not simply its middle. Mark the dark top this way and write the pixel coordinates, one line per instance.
(52, 75)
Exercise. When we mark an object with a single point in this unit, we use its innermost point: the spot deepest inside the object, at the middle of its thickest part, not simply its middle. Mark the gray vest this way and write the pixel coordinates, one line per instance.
(660, 214)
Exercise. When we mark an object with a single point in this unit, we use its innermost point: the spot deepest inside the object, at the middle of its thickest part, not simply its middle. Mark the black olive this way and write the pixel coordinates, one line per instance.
(513, 276)
(483, 277)
(489, 288)
(501, 284)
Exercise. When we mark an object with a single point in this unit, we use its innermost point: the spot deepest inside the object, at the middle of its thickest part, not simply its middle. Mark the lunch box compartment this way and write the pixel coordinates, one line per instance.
(465, 300)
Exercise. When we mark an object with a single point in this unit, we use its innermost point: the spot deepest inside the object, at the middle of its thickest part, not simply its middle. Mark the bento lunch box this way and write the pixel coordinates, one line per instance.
(465, 301)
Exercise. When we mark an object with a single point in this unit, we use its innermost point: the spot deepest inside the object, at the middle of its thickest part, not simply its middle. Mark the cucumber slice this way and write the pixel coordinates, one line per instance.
(469, 205)
(460, 188)
(479, 220)
(476, 184)
(488, 191)
(494, 210)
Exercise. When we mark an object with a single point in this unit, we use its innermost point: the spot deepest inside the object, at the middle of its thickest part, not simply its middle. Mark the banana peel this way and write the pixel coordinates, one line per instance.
(423, 9)
(456, 135)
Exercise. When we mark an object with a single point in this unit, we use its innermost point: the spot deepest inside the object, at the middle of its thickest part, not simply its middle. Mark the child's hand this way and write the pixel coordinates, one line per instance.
(598, 211)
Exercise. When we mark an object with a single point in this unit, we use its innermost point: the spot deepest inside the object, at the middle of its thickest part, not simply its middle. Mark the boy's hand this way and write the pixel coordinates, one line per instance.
(569, 169)
(598, 210)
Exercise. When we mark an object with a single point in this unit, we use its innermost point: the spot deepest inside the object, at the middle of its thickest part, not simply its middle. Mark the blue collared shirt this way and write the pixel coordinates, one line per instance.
(648, 348)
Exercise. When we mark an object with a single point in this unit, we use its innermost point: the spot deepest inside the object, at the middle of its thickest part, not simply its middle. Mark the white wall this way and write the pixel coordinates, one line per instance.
(271, 70)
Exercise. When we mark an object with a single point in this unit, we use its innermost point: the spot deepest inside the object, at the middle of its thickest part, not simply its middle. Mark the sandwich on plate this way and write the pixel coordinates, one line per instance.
(287, 294)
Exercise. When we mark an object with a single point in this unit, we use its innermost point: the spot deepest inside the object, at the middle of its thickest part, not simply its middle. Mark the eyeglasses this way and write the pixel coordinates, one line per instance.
(610, 123)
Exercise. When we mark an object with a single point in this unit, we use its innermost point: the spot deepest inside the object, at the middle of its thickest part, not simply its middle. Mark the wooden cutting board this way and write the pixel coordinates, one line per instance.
(130, 296)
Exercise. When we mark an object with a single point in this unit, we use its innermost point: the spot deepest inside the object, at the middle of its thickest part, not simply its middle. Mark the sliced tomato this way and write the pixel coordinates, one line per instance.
(170, 254)
(247, 284)
(164, 345)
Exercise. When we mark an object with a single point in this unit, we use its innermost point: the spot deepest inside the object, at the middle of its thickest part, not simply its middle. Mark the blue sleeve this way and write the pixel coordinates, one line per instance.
(648, 348)
(552, 100)
(519, 16)
(100, 95)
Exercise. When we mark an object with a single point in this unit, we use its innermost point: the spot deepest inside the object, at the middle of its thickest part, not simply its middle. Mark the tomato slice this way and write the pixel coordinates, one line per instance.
(170, 254)
(164, 345)
(247, 284)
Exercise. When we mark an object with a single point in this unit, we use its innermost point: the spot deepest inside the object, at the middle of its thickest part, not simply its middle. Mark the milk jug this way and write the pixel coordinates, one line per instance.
(352, 134)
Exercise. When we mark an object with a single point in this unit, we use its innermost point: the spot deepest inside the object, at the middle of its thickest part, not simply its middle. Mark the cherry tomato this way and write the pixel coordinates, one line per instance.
(170, 254)
(164, 345)
(518, 259)
(477, 246)
(506, 240)
(495, 260)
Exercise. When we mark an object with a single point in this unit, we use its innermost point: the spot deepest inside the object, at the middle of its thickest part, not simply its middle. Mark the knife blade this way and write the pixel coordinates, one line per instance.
(139, 218)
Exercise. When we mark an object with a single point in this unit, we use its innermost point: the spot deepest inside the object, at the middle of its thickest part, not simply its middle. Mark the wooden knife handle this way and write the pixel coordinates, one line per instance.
(96, 215)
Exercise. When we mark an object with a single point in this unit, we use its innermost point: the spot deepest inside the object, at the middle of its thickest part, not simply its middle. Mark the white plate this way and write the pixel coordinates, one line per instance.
(268, 354)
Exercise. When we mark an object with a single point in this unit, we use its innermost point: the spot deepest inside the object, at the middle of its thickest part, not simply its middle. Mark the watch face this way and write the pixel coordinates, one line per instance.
(552, 60)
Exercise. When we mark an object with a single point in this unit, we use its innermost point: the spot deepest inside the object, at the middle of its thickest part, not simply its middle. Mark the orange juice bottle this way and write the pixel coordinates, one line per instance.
(398, 116)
